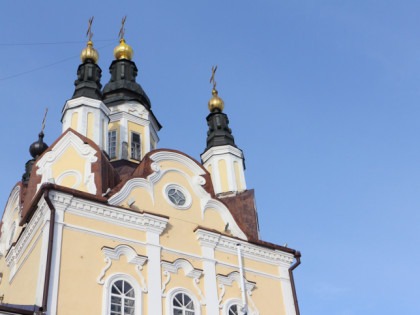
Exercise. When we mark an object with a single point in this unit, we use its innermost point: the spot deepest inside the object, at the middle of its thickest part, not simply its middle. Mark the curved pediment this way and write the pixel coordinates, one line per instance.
(178, 186)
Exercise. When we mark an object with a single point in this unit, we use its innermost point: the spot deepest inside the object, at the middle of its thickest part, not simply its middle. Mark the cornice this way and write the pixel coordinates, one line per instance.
(124, 217)
(229, 245)
(220, 150)
(82, 100)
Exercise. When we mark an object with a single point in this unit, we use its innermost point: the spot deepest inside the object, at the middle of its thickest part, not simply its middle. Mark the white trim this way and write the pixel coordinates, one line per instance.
(154, 276)
(74, 173)
(187, 195)
(221, 150)
(132, 258)
(174, 291)
(106, 296)
(42, 263)
(110, 214)
(229, 303)
(189, 271)
(86, 101)
(84, 150)
(196, 183)
(286, 287)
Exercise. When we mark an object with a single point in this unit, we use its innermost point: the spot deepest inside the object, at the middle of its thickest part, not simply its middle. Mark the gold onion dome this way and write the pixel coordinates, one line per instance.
(89, 53)
(123, 51)
(216, 103)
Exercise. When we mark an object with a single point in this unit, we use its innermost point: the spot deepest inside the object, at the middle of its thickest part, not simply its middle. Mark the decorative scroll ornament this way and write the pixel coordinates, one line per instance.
(228, 281)
(189, 271)
(132, 258)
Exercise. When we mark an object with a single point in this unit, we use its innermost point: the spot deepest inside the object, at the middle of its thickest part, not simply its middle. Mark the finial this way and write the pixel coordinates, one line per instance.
(216, 104)
(89, 53)
(123, 51)
(43, 121)
(122, 30)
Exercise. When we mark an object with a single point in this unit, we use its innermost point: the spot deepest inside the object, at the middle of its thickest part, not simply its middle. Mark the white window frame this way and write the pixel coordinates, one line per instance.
(131, 145)
(174, 291)
(231, 302)
(106, 300)
(110, 144)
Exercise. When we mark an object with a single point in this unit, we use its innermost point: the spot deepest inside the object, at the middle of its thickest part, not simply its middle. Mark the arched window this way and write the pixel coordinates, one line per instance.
(233, 307)
(122, 295)
(180, 301)
(123, 300)
(182, 304)
(233, 310)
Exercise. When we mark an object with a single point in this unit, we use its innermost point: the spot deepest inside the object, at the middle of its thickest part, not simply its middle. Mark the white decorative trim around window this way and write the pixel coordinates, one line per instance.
(132, 258)
(106, 299)
(173, 292)
(228, 281)
(196, 182)
(84, 150)
(189, 271)
(187, 200)
(232, 302)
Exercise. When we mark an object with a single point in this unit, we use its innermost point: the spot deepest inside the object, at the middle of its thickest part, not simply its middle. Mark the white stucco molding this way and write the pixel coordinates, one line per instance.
(228, 245)
(16, 251)
(124, 217)
(132, 258)
(228, 281)
(9, 212)
(220, 150)
(196, 182)
(189, 271)
(84, 150)
(86, 101)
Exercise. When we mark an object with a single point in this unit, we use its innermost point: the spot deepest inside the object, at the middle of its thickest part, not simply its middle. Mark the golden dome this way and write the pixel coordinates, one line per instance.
(216, 102)
(89, 53)
(123, 51)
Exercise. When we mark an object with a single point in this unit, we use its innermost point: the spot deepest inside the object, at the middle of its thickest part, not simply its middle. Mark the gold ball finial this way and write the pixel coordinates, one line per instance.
(89, 53)
(123, 51)
(216, 103)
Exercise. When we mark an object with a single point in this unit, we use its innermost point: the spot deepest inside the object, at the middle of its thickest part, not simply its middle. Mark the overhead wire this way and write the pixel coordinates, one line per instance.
(50, 43)
(48, 65)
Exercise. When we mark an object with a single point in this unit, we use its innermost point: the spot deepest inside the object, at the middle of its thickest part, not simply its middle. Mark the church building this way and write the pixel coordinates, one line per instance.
(105, 222)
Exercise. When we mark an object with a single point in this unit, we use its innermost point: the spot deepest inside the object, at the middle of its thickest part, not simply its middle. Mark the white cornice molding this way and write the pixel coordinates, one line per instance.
(234, 276)
(220, 150)
(124, 217)
(86, 101)
(196, 182)
(250, 251)
(9, 212)
(84, 150)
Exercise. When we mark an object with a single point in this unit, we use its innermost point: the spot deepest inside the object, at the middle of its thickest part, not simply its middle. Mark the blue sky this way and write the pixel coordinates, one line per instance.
(323, 97)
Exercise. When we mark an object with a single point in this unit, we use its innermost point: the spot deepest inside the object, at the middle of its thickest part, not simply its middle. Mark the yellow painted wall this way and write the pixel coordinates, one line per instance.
(74, 120)
(77, 163)
(223, 175)
(237, 176)
(90, 124)
(132, 127)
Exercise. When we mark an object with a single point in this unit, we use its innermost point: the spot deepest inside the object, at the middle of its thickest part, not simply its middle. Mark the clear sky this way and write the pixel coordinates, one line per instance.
(323, 97)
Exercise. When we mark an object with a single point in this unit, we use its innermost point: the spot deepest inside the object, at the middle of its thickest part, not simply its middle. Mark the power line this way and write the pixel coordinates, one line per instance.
(51, 43)
(45, 66)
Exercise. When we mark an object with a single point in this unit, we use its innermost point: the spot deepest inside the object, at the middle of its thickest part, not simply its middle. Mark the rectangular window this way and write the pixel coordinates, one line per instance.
(135, 146)
(112, 144)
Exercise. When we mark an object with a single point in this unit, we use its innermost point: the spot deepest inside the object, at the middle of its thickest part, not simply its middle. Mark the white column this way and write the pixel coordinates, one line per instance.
(43, 259)
(289, 304)
(154, 278)
(208, 242)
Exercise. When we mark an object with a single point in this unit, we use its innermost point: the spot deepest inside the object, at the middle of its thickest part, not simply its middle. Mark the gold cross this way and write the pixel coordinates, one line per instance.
(122, 30)
(89, 31)
(43, 122)
(213, 71)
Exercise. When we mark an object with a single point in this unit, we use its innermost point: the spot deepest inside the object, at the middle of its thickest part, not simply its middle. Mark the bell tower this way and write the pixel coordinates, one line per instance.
(222, 158)
(85, 112)
(132, 130)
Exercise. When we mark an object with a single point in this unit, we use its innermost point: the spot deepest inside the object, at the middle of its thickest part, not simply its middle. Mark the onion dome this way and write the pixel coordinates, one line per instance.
(216, 104)
(38, 147)
(89, 53)
(123, 51)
